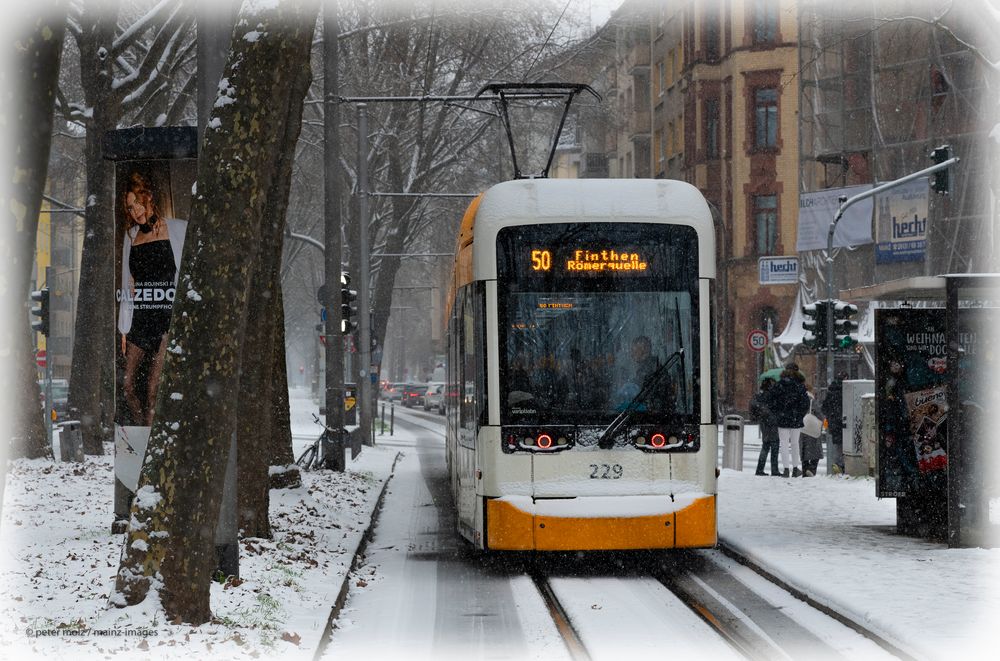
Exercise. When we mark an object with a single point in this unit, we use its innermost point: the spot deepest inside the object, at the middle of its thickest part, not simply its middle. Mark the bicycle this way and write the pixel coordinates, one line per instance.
(319, 454)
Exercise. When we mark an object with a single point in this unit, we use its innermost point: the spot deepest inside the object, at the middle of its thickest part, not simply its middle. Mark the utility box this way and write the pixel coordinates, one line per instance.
(732, 442)
(855, 462)
(71, 441)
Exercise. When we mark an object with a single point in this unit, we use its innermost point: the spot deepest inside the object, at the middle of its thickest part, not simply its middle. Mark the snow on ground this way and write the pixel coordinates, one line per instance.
(831, 538)
(59, 560)
(827, 536)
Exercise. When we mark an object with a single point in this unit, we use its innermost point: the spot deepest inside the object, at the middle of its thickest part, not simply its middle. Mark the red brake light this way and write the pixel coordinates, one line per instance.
(657, 440)
(544, 441)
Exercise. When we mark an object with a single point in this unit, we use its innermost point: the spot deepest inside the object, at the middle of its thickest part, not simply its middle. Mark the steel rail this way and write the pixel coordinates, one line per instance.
(574, 644)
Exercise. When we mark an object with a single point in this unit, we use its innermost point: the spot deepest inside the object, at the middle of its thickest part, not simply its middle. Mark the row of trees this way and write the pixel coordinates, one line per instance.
(137, 65)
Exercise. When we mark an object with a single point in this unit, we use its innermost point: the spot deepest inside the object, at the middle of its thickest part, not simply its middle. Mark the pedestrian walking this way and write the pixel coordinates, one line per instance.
(790, 403)
(833, 410)
(761, 412)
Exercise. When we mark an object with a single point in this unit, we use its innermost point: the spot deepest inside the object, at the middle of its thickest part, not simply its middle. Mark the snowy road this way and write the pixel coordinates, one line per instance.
(421, 593)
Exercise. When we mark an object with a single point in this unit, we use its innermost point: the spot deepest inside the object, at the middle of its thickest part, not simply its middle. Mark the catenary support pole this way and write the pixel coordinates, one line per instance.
(334, 361)
(365, 402)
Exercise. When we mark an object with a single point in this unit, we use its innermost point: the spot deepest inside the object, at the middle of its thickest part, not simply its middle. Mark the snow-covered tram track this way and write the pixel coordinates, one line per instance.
(762, 617)
(690, 603)
(608, 605)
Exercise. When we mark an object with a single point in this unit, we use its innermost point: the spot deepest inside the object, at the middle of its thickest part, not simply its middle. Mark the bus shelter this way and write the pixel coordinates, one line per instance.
(936, 387)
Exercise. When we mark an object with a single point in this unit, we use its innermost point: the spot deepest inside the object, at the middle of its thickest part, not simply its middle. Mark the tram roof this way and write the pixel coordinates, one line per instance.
(536, 201)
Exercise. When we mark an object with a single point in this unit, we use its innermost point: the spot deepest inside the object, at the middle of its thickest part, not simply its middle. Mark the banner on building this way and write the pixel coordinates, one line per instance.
(901, 223)
(817, 210)
(155, 171)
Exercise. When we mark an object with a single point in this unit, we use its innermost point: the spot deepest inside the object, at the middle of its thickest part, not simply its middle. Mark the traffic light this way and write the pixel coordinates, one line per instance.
(41, 311)
(843, 326)
(815, 325)
(942, 178)
(348, 311)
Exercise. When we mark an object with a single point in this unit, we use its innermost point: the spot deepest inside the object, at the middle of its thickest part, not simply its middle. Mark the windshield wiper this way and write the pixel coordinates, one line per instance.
(606, 442)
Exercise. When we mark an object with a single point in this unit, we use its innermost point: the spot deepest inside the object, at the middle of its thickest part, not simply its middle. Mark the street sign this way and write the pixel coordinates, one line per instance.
(778, 270)
(756, 340)
(40, 358)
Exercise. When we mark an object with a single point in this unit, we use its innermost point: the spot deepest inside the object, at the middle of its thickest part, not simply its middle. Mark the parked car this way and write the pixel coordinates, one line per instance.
(434, 399)
(413, 394)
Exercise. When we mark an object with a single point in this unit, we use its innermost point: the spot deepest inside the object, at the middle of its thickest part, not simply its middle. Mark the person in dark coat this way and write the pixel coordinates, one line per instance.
(790, 403)
(833, 409)
(760, 412)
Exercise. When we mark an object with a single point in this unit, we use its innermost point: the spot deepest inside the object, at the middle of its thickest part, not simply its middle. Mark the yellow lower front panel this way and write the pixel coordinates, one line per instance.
(509, 528)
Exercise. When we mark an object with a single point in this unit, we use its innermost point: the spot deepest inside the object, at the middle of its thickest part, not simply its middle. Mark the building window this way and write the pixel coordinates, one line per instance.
(710, 33)
(660, 80)
(765, 220)
(765, 21)
(712, 128)
(765, 118)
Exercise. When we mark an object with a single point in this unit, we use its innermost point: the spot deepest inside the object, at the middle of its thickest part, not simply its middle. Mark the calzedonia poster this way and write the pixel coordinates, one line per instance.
(153, 190)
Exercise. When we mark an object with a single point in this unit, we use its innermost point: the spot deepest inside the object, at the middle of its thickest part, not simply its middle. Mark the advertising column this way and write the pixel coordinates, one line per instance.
(155, 171)
(911, 374)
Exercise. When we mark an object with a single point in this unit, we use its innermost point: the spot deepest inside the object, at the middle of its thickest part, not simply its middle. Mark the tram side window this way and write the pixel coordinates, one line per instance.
(453, 368)
(478, 301)
(469, 355)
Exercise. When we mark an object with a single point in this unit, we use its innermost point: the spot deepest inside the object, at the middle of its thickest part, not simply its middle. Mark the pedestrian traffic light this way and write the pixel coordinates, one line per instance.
(942, 178)
(41, 311)
(843, 326)
(348, 311)
(815, 325)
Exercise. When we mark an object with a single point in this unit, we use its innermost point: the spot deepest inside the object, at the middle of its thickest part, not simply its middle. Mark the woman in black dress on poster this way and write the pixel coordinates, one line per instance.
(151, 255)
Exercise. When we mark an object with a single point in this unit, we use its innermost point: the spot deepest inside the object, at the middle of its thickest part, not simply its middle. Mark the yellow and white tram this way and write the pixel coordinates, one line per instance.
(580, 367)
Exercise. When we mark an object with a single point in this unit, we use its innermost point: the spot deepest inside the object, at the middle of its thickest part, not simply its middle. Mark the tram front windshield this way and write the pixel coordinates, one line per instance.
(596, 319)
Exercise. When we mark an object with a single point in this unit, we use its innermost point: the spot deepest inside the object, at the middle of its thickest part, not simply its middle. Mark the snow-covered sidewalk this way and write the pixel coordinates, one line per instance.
(830, 538)
(59, 562)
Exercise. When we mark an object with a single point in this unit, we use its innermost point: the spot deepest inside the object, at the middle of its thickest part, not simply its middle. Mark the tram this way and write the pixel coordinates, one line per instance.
(580, 398)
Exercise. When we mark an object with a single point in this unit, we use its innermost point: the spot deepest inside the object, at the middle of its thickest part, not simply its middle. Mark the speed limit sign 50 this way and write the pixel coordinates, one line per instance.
(756, 340)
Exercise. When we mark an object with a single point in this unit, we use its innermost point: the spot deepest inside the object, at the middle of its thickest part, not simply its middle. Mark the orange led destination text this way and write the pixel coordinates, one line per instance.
(605, 260)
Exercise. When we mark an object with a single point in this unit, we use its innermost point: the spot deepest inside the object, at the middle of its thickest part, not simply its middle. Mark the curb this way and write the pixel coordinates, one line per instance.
(747, 562)
(345, 586)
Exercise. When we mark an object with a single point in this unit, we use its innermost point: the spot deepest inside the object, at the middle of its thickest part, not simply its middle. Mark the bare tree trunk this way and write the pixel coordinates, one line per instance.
(266, 316)
(170, 544)
(35, 72)
(91, 374)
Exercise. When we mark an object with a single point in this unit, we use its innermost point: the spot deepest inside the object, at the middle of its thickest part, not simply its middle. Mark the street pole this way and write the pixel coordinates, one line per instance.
(48, 347)
(365, 402)
(334, 396)
(846, 203)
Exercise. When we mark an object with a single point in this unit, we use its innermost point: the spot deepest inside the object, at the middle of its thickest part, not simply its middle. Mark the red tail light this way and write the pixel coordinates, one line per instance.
(657, 440)
(544, 441)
